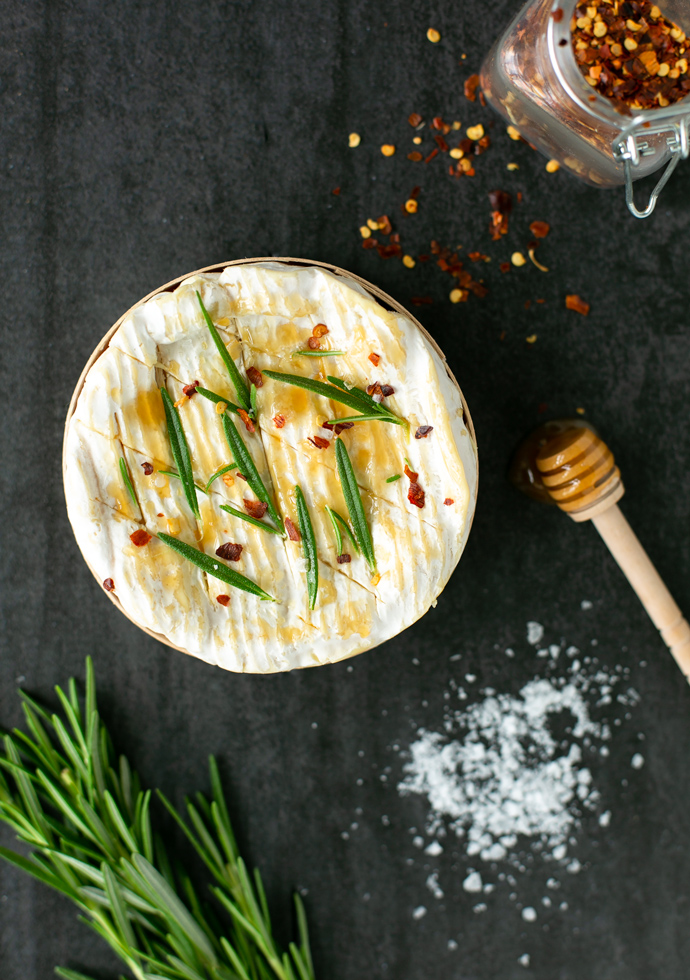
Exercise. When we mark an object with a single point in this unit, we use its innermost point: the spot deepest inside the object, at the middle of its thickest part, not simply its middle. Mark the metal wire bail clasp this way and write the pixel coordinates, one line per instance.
(632, 145)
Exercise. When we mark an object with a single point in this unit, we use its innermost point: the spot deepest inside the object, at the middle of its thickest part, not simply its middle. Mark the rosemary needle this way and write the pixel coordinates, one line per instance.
(348, 482)
(180, 451)
(317, 353)
(248, 468)
(339, 522)
(306, 530)
(127, 480)
(392, 479)
(220, 472)
(238, 382)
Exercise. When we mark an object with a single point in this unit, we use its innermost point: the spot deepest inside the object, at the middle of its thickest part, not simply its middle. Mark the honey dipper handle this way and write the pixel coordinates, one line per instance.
(623, 544)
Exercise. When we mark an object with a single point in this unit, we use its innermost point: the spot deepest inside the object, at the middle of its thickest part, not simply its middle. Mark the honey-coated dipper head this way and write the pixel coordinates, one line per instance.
(580, 474)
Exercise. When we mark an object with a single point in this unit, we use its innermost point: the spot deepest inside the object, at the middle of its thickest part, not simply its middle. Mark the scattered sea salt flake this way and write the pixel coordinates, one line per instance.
(529, 914)
(418, 841)
(535, 632)
(479, 907)
(473, 882)
(605, 818)
(434, 849)
(637, 761)
(419, 912)
(524, 959)
(586, 604)
(452, 944)
(433, 885)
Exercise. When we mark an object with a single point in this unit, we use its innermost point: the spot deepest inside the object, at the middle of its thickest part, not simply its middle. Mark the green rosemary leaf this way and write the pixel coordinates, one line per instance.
(178, 477)
(335, 516)
(336, 529)
(252, 400)
(317, 353)
(119, 823)
(246, 466)
(214, 567)
(302, 972)
(37, 872)
(176, 912)
(350, 397)
(251, 520)
(374, 417)
(306, 530)
(239, 384)
(223, 817)
(127, 480)
(213, 396)
(117, 905)
(220, 472)
(348, 482)
(303, 930)
(65, 974)
(180, 451)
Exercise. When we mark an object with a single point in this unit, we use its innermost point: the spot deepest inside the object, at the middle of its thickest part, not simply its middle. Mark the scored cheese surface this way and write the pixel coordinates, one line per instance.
(264, 312)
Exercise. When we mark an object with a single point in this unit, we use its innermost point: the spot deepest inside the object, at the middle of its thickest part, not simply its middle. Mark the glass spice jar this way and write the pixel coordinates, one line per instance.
(532, 78)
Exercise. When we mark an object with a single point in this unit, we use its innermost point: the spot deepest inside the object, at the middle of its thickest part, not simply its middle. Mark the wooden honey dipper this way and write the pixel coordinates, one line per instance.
(577, 470)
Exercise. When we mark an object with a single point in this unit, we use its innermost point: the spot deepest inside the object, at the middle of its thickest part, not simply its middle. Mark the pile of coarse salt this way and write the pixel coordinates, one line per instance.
(509, 773)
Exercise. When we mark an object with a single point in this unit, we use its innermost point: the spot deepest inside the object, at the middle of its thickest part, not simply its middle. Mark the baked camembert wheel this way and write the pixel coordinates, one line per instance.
(268, 469)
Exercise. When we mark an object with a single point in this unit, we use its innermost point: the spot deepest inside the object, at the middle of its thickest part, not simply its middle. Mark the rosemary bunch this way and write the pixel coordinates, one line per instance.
(87, 820)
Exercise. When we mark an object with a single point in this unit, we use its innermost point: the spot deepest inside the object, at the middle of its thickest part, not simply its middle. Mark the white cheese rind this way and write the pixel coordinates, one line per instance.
(264, 312)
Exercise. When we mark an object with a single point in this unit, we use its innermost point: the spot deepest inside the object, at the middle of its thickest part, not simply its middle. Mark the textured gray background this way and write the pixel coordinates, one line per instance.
(141, 140)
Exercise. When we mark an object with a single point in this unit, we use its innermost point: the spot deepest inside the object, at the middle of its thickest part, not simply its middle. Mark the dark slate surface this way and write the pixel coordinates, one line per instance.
(143, 140)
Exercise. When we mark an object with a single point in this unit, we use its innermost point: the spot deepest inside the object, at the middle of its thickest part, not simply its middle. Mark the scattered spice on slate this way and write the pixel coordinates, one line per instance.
(471, 86)
(629, 52)
(576, 303)
(540, 229)
(501, 206)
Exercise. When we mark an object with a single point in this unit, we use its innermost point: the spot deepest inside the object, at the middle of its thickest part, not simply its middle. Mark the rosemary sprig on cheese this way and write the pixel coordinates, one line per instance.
(352, 397)
(339, 523)
(87, 821)
(247, 467)
(221, 472)
(213, 396)
(306, 530)
(214, 567)
(180, 451)
(127, 480)
(238, 382)
(348, 482)
(318, 353)
(250, 520)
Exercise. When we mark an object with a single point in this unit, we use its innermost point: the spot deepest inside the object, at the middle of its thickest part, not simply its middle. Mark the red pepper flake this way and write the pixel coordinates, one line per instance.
(320, 330)
(190, 390)
(415, 192)
(478, 257)
(415, 156)
(343, 427)
(160, 515)
(241, 476)
(314, 343)
(343, 559)
(519, 193)
(229, 551)
(471, 86)
(147, 468)
(319, 442)
(501, 206)
(395, 238)
(279, 421)
(416, 495)
(421, 300)
(108, 585)
(441, 143)
(575, 302)
(140, 537)
(423, 258)
(369, 243)
(449, 501)
(540, 229)
(292, 531)
(255, 508)
(336, 191)
(414, 119)
(557, 15)
(434, 153)
(248, 424)
(410, 474)
(387, 390)
(384, 224)
(255, 376)
(374, 358)
(504, 267)
(437, 122)
(224, 600)
(389, 251)
(423, 431)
